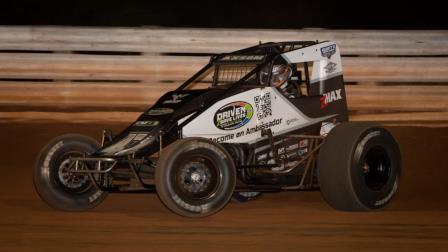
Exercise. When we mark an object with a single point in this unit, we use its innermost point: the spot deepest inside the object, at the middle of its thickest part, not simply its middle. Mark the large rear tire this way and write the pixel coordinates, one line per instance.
(359, 167)
(58, 187)
(195, 177)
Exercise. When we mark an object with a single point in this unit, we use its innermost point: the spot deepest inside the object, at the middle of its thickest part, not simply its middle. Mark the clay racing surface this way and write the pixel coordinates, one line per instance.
(417, 219)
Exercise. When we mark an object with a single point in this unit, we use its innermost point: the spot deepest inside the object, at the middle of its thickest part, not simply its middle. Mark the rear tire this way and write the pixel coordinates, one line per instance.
(59, 188)
(359, 167)
(195, 177)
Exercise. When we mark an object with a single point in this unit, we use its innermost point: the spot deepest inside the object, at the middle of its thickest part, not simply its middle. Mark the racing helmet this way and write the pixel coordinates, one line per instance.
(280, 74)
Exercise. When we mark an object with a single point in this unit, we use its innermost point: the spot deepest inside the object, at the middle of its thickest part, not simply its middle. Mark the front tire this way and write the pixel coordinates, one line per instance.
(359, 167)
(58, 187)
(195, 177)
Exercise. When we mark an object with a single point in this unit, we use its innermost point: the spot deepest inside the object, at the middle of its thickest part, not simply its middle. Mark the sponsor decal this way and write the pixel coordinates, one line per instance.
(176, 98)
(224, 138)
(160, 111)
(147, 123)
(330, 97)
(233, 115)
(242, 57)
(330, 67)
(248, 131)
(263, 105)
(264, 126)
(328, 51)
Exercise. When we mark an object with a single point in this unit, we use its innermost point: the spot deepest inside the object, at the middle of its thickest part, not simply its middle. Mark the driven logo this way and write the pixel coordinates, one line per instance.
(233, 115)
(330, 97)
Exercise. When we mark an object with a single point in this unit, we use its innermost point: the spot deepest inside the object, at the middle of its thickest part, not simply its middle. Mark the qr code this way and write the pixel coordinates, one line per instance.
(263, 104)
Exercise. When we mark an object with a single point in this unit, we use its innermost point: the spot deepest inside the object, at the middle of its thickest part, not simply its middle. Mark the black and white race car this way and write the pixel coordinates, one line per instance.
(267, 118)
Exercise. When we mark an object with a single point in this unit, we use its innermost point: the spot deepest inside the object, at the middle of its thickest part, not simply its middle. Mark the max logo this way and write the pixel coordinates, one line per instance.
(330, 97)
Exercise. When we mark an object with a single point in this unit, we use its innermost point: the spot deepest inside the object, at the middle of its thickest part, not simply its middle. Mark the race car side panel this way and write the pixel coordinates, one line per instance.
(241, 117)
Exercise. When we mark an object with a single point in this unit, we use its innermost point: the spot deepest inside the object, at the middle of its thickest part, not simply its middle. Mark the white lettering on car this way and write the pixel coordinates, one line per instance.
(330, 97)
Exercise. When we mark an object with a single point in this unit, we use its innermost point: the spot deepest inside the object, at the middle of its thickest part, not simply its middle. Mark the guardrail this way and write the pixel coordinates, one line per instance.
(392, 75)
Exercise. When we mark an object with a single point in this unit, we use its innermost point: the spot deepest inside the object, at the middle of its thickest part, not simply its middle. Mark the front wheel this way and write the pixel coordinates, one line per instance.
(54, 182)
(195, 177)
(359, 167)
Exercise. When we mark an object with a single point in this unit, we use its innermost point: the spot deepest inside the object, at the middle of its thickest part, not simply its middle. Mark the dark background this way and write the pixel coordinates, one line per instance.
(362, 14)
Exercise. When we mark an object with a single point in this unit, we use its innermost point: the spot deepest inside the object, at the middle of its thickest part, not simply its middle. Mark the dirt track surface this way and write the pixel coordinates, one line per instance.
(417, 219)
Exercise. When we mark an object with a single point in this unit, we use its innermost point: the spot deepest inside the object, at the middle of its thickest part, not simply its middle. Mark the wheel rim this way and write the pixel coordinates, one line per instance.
(71, 182)
(197, 178)
(376, 168)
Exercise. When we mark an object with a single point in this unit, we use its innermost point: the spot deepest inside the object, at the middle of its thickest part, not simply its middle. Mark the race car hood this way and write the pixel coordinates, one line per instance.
(162, 118)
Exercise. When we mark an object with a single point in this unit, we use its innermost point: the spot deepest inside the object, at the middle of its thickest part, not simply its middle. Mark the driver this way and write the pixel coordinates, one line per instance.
(281, 79)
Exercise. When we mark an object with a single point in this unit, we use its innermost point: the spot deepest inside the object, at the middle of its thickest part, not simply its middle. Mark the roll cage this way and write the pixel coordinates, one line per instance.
(236, 68)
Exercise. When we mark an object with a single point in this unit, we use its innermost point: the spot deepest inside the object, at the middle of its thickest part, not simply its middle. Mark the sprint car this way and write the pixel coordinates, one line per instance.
(227, 133)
